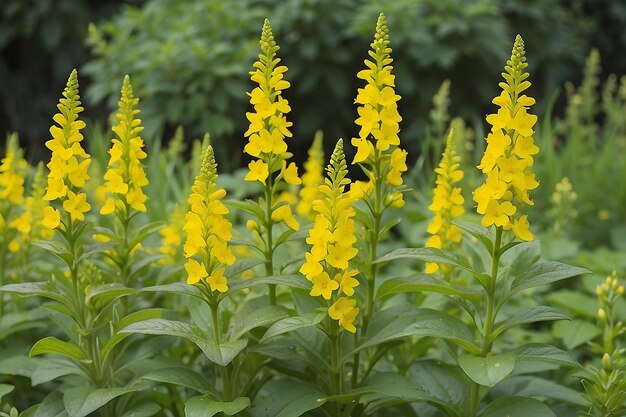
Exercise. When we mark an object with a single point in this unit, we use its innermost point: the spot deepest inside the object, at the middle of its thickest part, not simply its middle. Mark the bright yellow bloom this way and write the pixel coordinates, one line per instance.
(69, 162)
(447, 203)
(12, 170)
(125, 175)
(284, 214)
(345, 312)
(51, 217)
(29, 223)
(76, 205)
(258, 171)
(172, 235)
(508, 158)
(312, 178)
(332, 237)
(379, 121)
(208, 231)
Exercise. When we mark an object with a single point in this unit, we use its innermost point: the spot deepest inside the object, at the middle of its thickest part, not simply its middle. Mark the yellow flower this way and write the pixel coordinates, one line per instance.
(195, 271)
(125, 175)
(284, 214)
(447, 203)
(269, 126)
(379, 121)
(258, 171)
(508, 158)
(312, 178)
(331, 238)
(76, 205)
(69, 162)
(324, 286)
(172, 235)
(51, 217)
(208, 231)
(345, 312)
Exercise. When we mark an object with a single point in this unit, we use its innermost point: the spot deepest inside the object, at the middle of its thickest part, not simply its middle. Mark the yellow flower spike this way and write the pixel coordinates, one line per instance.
(12, 170)
(125, 175)
(378, 109)
(447, 203)
(312, 178)
(332, 238)
(69, 162)
(508, 158)
(207, 230)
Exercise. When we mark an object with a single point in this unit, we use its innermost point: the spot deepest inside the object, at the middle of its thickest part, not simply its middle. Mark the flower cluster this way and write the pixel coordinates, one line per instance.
(125, 175)
(447, 203)
(269, 126)
(332, 238)
(172, 235)
(208, 231)
(312, 178)
(379, 118)
(69, 162)
(12, 170)
(508, 158)
(28, 224)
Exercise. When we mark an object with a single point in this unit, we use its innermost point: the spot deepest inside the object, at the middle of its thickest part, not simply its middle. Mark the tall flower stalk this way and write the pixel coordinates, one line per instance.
(266, 135)
(447, 204)
(125, 178)
(378, 154)
(312, 178)
(507, 161)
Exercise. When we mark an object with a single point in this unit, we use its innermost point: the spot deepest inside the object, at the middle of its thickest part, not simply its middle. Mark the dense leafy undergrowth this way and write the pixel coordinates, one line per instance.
(133, 283)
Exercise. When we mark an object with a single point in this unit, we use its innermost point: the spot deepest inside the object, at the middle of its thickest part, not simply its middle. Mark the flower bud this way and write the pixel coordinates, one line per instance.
(602, 314)
(607, 362)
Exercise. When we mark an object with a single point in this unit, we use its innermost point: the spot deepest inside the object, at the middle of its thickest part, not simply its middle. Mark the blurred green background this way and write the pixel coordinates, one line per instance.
(189, 62)
(189, 59)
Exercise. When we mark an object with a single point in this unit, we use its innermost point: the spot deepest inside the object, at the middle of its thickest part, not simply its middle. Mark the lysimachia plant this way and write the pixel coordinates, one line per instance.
(231, 309)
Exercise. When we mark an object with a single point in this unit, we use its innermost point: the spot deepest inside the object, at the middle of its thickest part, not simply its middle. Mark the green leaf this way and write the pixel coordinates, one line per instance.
(484, 235)
(291, 235)
(53, 368)
(288, 398)
(575, 333)
(19, 365)
(517, 407)
(88, 250)
(262, 317)
(249, 206)
(145, 232)
(176, 288)
(106, 293)
(293, 281)
(56, 248)
(181, 376)
(208, 407)
(487, 371)
(11, 323)
(117, 338)
(42, 289)
(143, 410)
(533, 386)
(419, 283)
(241, 265)
(403, 320)
(428, 255)
(221, 354)
(545, 272)
(5, 389)
(292, 323)
(52, 406)
(529, 315)
(446, 383)
(82, 401)
(59, 347)
(535, 357)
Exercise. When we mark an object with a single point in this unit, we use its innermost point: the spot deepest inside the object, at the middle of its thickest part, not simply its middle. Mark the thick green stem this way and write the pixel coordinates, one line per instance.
(336, 366)
(226, 384)
(487, 338)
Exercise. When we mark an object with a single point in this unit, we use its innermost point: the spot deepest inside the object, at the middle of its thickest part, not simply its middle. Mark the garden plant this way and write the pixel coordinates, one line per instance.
(369, 283)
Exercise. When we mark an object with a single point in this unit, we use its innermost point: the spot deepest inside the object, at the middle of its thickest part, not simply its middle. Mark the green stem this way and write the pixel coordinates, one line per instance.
(226, 384)
(487, 341)
(2, 268)
(269, 250)
(335, 365)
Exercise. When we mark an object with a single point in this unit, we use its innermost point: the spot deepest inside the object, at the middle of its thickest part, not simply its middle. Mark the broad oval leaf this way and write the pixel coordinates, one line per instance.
(535, 357)
(418, 283)
(529, 315)
(292, 323)
(206, 406)
(487, 371)
(545, 272)
(221, 354)
(54, 345)
(181, 376)
(82, 401)
(428, 255)
(517, 407)
(294, 281)
(262, 317)
(288, 398)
